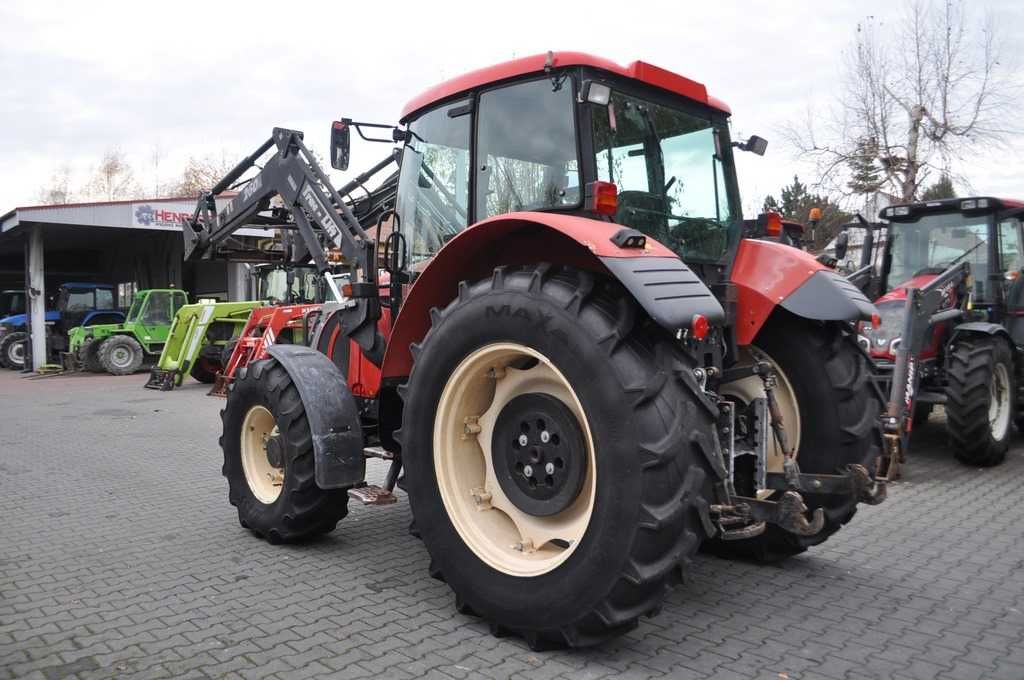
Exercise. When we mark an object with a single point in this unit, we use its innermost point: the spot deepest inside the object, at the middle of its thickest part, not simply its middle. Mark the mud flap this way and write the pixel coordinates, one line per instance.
(332, 414)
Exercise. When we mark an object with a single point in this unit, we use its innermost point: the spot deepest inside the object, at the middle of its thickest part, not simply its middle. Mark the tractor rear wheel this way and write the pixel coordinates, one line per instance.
(89, 357)
(558, 455)
(13, 350)
(207, 365)
(120, 355)
(831, 413)
(979, 400)
(268, 459)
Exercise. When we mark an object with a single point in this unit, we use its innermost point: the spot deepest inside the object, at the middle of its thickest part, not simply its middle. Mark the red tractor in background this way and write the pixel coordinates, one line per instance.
(578, 368)
(950, 314)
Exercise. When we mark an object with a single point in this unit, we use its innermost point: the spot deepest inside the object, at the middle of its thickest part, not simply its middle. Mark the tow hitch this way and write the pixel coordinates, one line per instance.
(776, 497)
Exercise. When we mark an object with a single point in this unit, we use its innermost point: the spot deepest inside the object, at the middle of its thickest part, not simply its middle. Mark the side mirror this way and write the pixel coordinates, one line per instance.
(842, 244)
(340, 144)
(755, 144)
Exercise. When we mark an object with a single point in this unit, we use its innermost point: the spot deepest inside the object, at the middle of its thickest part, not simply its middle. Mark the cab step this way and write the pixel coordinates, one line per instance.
(371, 494)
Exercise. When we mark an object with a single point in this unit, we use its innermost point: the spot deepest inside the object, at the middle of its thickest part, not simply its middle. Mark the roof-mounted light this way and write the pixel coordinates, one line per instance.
(968, 205)
(596, 93)
(902, 211)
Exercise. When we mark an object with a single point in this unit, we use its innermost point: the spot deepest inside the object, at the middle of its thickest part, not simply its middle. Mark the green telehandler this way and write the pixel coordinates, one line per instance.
(121, 349)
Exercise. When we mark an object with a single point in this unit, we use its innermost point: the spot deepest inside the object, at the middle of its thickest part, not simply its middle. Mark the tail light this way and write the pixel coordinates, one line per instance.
(699, 326)
(602, 198)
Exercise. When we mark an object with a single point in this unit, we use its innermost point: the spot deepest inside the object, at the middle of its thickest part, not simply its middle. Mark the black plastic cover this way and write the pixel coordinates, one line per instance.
(332, 414)
(827, 296)
(667, 289)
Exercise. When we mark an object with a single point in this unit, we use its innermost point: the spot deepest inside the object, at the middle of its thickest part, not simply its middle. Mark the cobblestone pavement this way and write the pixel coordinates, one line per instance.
(120, 556)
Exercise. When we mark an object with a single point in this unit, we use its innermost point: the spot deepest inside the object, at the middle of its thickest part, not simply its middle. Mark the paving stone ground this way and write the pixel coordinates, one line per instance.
(120, 557)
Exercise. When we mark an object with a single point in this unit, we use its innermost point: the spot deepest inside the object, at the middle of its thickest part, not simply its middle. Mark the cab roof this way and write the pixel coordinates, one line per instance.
(637, 70)
(964, 204)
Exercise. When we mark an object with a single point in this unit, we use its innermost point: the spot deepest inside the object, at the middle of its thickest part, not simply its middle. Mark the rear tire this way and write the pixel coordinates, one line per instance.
(13, 349)
(120, 355)
(296, 508)
(839, 415)
(632, 393)
(979, 400)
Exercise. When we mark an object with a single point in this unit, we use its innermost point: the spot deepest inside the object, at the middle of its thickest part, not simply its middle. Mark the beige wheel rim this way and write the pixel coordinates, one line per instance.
(750, 388)
(265, 480)
(999, 402)
(497, 531)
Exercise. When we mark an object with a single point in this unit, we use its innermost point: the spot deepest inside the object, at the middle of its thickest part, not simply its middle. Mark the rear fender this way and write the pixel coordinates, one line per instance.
(332, 414)
(769, 275)
(661, 283)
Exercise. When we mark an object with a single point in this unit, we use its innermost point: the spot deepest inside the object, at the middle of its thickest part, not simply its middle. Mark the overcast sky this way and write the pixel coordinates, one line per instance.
(210, 78)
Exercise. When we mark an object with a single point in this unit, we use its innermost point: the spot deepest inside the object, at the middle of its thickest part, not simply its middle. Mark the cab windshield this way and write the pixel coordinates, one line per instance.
(673, 170)
(133, 312)
(935, 243)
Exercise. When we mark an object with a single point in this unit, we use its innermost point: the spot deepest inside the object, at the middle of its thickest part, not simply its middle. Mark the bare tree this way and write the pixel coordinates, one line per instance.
(200, 174)
(915, 96)
(113, 180)
(58, 190)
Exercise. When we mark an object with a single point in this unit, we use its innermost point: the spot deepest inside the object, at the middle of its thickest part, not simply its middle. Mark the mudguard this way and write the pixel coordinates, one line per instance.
(827, 296)
(667, 290)
(332, 414)
(979, 328)
(654, 275)
(769, 275)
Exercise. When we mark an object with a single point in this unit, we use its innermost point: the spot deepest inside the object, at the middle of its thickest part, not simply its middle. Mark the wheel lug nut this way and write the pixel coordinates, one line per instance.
(549, 468)
(523, 441)
(528, 471)
(545, 436)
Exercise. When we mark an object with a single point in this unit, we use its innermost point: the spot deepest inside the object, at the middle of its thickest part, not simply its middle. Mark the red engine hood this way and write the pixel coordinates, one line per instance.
(900, 291)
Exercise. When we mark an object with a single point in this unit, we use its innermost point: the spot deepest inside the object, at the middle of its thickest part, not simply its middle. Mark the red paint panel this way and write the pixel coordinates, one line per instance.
(363, 376)
(513, 239)
(765, 273)
(638, 70)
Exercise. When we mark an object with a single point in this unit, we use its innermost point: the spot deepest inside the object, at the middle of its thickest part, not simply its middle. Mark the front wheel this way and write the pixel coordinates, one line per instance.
(979, 400)
(89, 356)
(13, 350)
(268, 459)
(120, 355)
(556, 448)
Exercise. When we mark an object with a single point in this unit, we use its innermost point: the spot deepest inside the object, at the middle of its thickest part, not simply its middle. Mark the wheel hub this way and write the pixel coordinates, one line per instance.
(539, 454)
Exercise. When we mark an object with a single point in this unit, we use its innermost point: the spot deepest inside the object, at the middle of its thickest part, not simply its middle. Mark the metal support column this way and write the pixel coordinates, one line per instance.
(238, 281)
(37, 297)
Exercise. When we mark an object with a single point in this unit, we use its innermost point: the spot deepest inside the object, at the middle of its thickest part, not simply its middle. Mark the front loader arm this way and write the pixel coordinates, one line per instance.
(923, 307)
(322, 218)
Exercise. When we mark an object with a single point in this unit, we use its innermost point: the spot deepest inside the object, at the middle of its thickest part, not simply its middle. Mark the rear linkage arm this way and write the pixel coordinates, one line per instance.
(741, 516)
(323, 219)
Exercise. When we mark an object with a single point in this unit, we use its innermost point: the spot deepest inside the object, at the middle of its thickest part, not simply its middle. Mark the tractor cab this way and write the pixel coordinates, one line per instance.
(926, 240)
(286, 284)
(638, 146)
(12, 302)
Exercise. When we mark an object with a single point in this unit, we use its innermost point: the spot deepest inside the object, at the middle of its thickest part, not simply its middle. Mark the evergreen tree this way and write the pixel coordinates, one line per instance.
(941, 189)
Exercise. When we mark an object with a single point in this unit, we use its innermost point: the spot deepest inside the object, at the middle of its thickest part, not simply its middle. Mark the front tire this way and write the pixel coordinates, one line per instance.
(835, 410)
(273, 485)
(12, 349)
(979, 400)
(88, 356)
(120, 355)
(556, 568)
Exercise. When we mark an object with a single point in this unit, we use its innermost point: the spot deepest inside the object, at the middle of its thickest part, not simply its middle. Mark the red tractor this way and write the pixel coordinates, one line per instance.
(950, 308)
(578, 368)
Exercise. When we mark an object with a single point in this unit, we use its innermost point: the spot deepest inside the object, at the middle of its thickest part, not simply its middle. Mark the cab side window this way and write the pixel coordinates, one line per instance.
(1009, 245)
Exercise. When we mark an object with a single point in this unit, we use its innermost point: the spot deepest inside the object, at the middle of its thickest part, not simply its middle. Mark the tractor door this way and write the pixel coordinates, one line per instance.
(156, 315)
(1012, 266)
